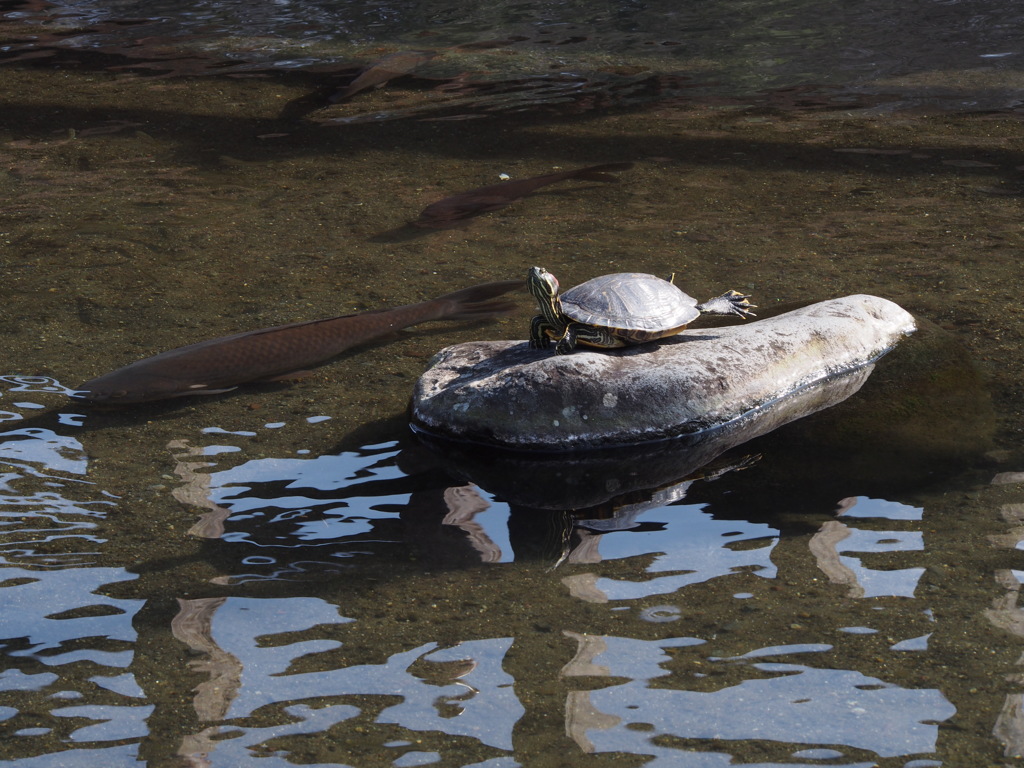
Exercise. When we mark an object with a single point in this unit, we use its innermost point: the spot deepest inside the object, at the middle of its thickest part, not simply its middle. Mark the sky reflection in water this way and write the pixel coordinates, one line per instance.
(286, 658)
(351, 608)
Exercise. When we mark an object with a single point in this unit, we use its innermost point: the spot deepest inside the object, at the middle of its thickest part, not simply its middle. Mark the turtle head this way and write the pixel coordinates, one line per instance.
(551, 323)
(542, 284)
(544, 288)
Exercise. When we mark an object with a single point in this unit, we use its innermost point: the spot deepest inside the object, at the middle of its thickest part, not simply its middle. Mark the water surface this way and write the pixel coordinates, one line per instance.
(283, 573)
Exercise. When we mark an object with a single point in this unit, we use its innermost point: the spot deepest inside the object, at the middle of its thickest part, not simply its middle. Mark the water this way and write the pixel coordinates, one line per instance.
(358, 608)
(284, 574)
(923, 54)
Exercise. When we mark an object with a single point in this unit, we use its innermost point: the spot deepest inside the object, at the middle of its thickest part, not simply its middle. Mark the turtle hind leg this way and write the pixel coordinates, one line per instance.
(729, 303)
(567, 343)
(587, 335)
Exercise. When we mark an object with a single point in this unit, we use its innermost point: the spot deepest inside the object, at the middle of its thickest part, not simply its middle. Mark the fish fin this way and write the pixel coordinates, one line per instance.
(200, 389)
(486, 203)
(456, 215)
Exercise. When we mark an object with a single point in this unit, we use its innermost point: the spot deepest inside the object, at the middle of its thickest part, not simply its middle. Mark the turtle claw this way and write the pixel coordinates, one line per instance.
(729, 303)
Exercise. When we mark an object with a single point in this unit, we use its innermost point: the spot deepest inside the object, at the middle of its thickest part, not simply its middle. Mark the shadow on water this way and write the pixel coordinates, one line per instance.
(206, 140)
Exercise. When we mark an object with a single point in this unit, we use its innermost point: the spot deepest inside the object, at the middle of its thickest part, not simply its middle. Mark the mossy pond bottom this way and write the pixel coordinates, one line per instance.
(283, 576)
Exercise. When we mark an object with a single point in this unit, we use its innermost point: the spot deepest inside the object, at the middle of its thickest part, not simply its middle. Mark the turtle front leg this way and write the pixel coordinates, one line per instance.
(539, 336)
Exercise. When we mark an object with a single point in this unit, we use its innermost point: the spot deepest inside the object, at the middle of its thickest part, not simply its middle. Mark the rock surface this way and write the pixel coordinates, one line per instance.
(503, 393)
(631, 475)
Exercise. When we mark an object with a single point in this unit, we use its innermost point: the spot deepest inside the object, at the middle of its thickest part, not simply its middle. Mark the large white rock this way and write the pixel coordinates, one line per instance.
(503, 393)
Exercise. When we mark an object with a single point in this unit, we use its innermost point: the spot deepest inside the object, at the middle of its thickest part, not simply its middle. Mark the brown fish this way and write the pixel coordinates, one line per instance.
(218, 365)
(382, 70)
(451, 211)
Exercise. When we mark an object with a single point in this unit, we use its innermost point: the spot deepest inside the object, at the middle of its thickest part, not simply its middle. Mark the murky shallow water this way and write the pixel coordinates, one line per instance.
(282, 573)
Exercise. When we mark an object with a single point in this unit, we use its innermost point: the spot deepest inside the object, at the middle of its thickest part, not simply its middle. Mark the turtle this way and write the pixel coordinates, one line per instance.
(618, 310)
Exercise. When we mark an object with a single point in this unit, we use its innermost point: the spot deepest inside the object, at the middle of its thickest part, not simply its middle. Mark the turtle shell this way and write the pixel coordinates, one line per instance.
(635, 306)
